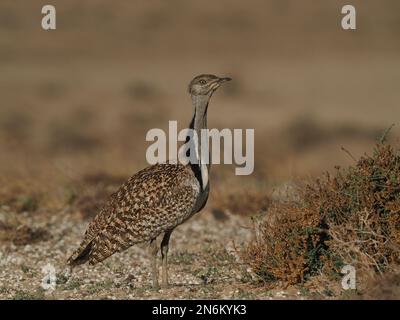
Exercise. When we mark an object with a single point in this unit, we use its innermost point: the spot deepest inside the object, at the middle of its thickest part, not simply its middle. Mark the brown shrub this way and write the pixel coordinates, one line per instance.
(362, 208)
(352, 217)
(287, 244)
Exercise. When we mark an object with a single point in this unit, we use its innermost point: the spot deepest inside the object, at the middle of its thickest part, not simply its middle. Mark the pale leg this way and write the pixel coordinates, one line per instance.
(153, 252)
(164, 255)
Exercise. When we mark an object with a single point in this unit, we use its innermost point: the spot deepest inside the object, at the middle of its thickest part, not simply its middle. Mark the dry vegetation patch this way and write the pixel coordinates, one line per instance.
(20, 234)
(350, 217)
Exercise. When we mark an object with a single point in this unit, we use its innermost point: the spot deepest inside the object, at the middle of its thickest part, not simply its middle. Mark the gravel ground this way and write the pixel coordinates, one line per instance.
(203, 263)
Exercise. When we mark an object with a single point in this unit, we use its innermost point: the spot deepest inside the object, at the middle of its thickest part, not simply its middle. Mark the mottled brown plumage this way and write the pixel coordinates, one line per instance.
(153, 201)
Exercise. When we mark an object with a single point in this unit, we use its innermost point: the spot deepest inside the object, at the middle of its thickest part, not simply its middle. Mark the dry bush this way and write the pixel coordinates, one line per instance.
(352, 217)
(288, 243)
(362, 208)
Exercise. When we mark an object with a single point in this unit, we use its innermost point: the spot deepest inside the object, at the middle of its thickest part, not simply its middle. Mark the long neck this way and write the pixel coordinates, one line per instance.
(199, 122)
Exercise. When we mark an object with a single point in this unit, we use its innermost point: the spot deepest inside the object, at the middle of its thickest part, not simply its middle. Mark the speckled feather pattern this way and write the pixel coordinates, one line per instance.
(154, 200)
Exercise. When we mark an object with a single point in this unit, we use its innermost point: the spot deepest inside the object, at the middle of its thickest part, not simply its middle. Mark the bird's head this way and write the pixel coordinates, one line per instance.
(205, 84)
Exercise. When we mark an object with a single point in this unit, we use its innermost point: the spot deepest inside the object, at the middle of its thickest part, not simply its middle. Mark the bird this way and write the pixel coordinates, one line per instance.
(155, 200)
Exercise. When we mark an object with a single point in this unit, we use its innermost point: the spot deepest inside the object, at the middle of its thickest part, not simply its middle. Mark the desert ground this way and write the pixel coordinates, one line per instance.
(77, 102)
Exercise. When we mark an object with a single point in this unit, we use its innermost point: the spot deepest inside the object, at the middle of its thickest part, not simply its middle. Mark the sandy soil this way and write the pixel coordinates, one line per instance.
(204, 264)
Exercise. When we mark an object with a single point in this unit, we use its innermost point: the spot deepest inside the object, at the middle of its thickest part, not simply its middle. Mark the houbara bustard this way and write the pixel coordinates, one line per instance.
(155, 200)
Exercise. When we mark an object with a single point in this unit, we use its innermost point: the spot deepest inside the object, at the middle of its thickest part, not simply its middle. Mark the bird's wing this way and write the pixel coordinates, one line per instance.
(153, 200)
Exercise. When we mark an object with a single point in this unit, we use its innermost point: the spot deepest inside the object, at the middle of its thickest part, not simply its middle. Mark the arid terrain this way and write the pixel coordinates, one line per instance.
(77, 102)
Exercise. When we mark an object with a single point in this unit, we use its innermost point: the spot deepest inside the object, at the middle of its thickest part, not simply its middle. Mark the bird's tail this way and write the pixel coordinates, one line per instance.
(81, 255)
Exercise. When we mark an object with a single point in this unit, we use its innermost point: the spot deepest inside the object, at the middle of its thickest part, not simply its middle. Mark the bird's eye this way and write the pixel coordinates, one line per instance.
(202, 81)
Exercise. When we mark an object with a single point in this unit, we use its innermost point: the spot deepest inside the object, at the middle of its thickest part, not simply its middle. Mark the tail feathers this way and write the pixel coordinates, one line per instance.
(81, 255)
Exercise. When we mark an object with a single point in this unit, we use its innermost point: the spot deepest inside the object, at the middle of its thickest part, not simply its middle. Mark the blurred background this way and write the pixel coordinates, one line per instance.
(76, 102)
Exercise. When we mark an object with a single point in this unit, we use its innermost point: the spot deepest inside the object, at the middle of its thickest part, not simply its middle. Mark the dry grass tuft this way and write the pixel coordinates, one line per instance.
(351, 217)
(287, 245)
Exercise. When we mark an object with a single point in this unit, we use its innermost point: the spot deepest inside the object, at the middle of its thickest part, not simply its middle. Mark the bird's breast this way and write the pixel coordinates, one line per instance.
(201, 199)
